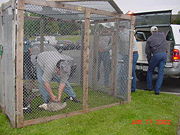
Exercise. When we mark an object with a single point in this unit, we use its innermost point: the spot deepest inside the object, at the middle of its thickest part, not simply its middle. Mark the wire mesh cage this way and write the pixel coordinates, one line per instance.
(109, 63)
(50, 30)
(71, 61)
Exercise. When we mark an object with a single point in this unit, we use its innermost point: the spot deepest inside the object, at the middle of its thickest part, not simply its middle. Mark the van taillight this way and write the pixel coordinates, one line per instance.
(176, 55)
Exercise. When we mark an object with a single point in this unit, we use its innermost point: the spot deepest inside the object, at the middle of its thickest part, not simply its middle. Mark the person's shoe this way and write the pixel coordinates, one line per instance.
(133, 91)
(27, 109)
(157, 93)
(146, 89)
(43, 106)
(74, 99)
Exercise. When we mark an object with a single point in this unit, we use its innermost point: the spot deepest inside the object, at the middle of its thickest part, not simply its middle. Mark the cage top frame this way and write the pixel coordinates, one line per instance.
(76, 9)
(97, 4)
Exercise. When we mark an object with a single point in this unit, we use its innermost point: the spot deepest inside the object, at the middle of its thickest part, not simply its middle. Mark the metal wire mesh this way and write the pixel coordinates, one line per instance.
(51, 35)
(60, 39)
(110, 63)
(123, 59)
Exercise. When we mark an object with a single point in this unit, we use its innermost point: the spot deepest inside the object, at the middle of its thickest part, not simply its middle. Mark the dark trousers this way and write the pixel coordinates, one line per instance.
(135, 58)
(105, 58)
(27, 67)
(157, 60)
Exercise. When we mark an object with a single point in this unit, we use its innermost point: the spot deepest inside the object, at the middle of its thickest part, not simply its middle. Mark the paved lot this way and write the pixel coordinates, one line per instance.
(169, 85)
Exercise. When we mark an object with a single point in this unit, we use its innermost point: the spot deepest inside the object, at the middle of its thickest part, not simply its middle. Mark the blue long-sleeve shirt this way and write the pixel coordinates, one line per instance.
(156, 43)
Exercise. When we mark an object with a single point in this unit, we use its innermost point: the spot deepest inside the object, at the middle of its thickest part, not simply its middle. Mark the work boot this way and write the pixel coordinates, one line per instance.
(74, 99)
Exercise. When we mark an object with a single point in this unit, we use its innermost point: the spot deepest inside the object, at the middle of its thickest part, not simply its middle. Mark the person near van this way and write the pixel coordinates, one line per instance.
(156, 51)
(135, 58)
(104, 54)
(53, 65)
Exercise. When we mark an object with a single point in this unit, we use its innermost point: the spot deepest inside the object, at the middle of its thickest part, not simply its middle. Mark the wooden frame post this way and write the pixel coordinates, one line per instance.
(130, 58)
(95, 57)
(2, 106)
(86, 59)
(19, 63)
(114, 62)
(82, 42)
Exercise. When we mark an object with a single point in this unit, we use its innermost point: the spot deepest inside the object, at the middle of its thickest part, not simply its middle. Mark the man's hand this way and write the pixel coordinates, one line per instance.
(49, 90)
(61, 89)
(54, 98)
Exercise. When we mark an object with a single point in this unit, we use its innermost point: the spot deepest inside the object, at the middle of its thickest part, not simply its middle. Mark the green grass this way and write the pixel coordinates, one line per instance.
(96, 98)
(73, 38)
(112, 121)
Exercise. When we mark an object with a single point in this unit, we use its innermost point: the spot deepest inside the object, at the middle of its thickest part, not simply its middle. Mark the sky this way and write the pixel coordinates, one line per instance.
(145, 5)
(148, 5)
(1, 1)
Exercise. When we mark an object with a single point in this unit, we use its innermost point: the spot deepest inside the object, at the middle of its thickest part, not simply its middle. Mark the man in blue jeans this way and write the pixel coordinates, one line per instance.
(156, 49)
(135, 58)
(53, 65)
(27, 67)
(104, 54)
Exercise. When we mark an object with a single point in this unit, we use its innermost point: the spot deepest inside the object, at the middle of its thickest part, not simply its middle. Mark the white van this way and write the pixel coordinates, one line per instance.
(161, 19)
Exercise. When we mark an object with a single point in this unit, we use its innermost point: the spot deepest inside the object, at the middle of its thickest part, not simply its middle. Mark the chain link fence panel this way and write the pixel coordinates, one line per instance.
(50, 36)
(49, 32)
(53, 46)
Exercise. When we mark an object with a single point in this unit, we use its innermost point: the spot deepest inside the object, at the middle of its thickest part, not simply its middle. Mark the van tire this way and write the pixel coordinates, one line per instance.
(141, 75)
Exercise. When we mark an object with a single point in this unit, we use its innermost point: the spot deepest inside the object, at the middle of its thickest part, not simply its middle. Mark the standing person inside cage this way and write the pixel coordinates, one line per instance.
(156, 51)
(135, 58)
(53, 65)
(104, 54)
(27, 66)
(123, 57)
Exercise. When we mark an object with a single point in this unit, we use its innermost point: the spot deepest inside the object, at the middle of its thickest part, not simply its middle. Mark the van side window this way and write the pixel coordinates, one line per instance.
(142, 35)
(169, 36)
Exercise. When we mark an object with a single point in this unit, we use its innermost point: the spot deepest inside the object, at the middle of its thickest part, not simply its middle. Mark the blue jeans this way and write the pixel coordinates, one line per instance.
(45, 95)
(105, 58)
(157, 60)
(135, 58)
(27, 67)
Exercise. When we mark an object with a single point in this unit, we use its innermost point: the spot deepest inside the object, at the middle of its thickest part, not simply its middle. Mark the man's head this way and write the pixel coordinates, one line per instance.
(63, 66)
(154, 29)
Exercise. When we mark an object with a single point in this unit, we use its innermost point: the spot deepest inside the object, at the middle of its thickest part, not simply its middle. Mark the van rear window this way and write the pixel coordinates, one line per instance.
(142, 35)
(147, 34)
(169, 36)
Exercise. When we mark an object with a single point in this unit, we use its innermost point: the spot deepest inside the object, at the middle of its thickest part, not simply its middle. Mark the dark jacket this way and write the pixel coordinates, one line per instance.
(156, 43)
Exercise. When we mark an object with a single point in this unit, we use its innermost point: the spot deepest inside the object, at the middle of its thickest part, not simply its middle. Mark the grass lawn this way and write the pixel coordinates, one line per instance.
(116, 120)
(96, 98)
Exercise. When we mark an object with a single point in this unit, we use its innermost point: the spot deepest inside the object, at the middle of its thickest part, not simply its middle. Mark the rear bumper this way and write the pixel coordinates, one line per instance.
(171, 69)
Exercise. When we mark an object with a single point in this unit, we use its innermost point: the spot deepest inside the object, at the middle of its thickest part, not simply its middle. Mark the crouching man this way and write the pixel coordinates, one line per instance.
(53, 65)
